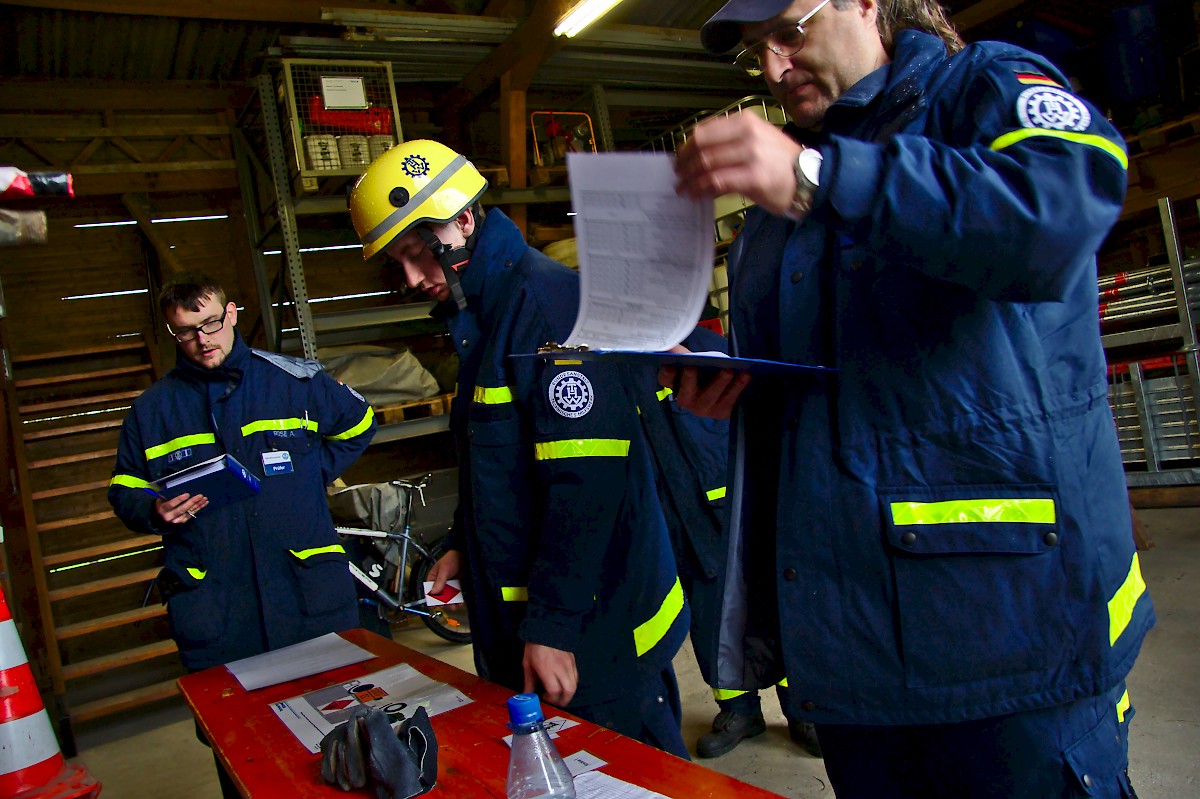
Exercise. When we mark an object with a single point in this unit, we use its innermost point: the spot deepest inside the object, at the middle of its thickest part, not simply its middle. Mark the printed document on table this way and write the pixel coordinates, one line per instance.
(645, 253)
(329, 651)
(397, 691)
(598, 785)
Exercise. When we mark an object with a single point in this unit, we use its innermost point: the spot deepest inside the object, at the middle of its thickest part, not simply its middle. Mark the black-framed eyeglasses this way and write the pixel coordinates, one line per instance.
(186, 334)
(785, 41)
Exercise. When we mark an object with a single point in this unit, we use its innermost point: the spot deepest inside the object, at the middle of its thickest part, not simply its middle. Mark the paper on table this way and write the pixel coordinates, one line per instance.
(397, 691)
(330, 651)
(598, 785)
(645, 253)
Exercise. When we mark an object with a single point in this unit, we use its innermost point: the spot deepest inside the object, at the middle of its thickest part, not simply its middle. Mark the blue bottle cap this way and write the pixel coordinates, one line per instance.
(524, 709)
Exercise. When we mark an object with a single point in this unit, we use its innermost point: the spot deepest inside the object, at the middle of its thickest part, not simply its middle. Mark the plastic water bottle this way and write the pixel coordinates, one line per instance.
(535, 768)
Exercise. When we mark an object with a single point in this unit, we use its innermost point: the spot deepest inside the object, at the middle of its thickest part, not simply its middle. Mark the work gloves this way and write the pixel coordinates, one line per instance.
(364, 749)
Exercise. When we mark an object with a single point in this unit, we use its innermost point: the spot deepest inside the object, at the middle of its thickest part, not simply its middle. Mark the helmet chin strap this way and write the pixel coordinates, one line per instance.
(451, 259)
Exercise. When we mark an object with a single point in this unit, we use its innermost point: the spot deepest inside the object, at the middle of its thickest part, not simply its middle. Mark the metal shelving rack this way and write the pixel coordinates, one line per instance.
(276, 176)
(1154, 391)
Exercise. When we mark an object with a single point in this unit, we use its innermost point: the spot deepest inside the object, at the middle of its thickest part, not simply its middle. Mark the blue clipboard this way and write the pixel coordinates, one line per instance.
(699, 360)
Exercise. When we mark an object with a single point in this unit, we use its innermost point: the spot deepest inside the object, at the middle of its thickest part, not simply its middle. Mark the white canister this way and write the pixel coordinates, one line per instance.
(353, 150)
(378, 145)
(322, 152)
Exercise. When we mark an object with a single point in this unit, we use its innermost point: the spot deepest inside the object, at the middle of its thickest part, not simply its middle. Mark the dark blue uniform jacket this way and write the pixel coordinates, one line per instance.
(565, 541)
(953, 524)
(268, 571)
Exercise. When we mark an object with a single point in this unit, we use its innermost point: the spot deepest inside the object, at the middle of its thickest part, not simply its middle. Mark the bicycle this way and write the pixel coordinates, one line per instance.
(394, 567)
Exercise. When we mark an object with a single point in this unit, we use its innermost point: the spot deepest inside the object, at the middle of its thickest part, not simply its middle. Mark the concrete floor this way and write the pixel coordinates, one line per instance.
(155, 753)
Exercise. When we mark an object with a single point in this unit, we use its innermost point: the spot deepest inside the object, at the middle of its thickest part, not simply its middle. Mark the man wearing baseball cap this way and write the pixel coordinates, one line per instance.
(941, 525)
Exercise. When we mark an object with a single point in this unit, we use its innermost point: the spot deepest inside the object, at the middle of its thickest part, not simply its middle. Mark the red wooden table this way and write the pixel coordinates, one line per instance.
(266, 760)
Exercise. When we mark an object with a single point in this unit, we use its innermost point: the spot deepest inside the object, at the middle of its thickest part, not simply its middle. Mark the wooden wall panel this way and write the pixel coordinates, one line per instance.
(98, 260)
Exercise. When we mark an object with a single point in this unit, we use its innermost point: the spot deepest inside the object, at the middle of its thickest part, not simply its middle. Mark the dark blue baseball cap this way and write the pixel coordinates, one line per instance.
(721, 33)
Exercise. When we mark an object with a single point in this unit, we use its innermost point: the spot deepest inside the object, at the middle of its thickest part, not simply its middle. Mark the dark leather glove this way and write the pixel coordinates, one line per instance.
(398, 765)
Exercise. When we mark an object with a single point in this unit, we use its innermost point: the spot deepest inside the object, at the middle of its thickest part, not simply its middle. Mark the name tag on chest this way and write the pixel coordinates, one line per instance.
(276, 462)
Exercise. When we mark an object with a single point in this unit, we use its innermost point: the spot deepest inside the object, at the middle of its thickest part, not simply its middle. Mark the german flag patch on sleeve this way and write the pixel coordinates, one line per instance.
(1036, 79)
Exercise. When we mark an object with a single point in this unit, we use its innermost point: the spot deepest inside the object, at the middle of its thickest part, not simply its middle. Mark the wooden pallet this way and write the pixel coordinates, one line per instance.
(419, 409)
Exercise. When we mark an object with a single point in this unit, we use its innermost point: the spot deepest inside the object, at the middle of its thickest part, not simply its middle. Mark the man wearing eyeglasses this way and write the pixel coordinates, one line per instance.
(264, 572)
(951, 590)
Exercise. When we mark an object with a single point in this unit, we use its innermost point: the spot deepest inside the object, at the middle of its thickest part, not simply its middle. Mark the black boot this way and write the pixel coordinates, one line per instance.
(805, 736)
(728, 730)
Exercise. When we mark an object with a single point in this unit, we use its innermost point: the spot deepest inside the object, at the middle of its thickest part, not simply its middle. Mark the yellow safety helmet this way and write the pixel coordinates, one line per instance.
(417, 181)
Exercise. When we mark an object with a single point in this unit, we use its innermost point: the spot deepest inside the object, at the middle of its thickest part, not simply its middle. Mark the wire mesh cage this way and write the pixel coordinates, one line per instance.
(341, 115)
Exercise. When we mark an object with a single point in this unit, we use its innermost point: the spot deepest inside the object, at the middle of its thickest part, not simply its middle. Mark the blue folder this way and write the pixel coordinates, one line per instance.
(221, 480)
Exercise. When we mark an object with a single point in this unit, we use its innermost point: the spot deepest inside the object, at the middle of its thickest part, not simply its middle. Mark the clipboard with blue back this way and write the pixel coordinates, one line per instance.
(222, 480)
(656, 359)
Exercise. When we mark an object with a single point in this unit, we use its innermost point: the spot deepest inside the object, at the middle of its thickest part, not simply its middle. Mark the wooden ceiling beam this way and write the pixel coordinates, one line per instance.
(138, 206)
(521, 53)
(243, 10)
(188, 182)
(54, 94)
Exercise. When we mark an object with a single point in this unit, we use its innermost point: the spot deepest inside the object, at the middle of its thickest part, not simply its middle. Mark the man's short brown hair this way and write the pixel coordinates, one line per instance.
(188, 290)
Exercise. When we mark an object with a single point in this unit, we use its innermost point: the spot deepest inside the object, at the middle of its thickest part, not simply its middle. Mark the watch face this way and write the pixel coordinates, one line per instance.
(810, 165)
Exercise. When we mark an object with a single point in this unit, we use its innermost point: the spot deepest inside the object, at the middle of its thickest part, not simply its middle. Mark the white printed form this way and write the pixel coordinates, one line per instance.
(645, 254)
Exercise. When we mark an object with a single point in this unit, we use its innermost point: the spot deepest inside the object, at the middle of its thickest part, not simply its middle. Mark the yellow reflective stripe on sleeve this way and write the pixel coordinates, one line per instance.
(279, 424)
(1120, 607)
(967, 511)
(715, 494)
(721, 694)
(129, 481)
(514, 593)
(582, 448)
(493, 396)
(358, 429)
(305, 554)
(196, 573)
(650, 632)
(663, 393)
(1123, 705)
(1090, 139)
(180, 443)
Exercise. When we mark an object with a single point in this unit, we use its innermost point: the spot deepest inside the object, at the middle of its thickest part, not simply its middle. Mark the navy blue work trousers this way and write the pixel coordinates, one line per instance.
(1075, 751)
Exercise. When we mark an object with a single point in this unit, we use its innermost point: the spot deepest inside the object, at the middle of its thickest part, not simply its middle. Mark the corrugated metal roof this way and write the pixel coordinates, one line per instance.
(51, 43)
(71, 44)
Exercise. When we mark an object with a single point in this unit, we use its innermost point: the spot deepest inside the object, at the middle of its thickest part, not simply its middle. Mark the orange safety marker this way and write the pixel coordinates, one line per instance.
(31, 764)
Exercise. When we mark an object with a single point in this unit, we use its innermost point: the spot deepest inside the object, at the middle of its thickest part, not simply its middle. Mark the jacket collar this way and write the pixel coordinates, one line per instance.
(499, 246)
(889, 94)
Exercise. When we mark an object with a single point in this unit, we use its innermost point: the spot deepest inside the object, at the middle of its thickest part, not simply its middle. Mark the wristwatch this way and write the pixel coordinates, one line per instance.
(808, 175)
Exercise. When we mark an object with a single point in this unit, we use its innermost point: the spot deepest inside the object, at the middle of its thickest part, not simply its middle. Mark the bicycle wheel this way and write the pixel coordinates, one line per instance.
(452, 625)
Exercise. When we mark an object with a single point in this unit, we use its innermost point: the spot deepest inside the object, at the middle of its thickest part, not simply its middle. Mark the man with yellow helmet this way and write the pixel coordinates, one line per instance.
(559, 538)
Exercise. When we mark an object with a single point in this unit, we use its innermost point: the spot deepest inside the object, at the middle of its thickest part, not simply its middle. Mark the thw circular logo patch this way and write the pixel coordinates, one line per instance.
(415, 166)
(1052, 108)
(571, 395)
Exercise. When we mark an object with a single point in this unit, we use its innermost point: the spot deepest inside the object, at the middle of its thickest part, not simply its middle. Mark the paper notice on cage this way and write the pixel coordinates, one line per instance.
(645, 253)
(397, 691)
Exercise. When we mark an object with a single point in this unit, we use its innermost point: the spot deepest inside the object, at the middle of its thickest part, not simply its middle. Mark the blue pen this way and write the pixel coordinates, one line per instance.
(150, 490)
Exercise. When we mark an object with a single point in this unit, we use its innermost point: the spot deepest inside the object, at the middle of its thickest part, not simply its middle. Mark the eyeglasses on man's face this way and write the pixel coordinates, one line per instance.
(785, 41)
(186, 334)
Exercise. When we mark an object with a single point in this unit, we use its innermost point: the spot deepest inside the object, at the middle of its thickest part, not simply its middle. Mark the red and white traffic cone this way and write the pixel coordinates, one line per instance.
(31, 764)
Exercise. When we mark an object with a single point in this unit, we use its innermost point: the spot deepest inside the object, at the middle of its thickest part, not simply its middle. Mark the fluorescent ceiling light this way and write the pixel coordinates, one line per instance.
(583, 15)
(128, 222)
